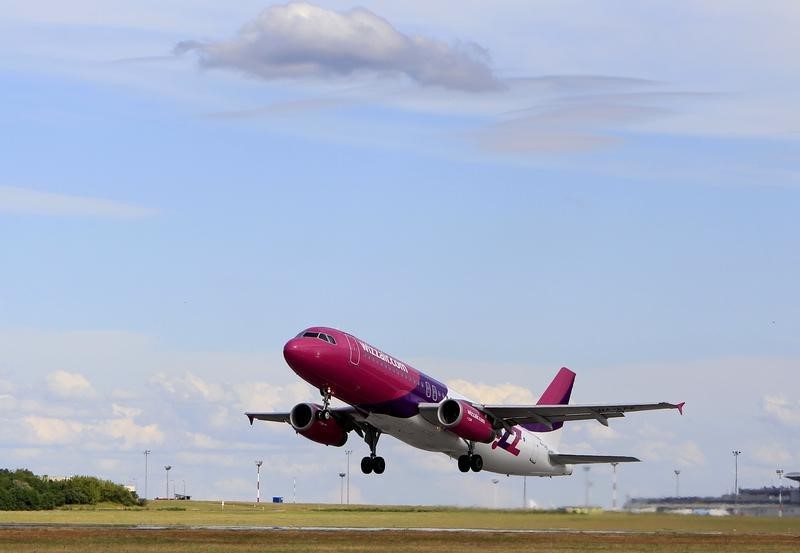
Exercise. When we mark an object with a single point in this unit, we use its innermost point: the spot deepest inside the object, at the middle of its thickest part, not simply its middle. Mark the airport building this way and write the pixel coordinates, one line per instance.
(766, 501)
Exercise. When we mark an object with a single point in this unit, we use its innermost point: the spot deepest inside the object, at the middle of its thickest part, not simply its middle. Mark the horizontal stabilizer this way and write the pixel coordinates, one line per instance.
(563, 459)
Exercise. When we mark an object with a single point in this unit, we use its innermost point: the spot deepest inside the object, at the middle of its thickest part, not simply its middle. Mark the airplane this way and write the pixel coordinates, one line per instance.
(387, 396)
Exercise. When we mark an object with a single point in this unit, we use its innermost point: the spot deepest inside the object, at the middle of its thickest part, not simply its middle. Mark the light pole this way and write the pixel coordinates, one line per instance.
(588, 484)
(348, 452)
(614, 486)
(677, 482)
(736, 454)
(779, 472)
(341, 488)
(166, 468)
(258, 480)
(495, 482)
(524, 492)
(146, 453)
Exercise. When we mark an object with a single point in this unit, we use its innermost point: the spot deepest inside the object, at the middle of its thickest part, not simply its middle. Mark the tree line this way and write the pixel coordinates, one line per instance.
(21, 490)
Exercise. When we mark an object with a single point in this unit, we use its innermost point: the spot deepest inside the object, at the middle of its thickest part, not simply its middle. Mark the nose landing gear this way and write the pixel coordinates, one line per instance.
(325, 412)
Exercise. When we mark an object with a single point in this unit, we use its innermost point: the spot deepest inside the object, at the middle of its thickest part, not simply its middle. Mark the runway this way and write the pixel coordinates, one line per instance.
(155, 528)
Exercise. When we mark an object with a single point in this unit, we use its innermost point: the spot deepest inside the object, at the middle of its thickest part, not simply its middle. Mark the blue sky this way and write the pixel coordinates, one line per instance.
(613, 190)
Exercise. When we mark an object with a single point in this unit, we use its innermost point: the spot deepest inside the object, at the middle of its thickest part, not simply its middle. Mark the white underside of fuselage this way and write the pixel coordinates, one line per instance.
(532, 459)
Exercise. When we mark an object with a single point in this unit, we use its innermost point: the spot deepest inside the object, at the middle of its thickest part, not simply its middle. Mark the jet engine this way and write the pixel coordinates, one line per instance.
(465, 421)
(303, 418)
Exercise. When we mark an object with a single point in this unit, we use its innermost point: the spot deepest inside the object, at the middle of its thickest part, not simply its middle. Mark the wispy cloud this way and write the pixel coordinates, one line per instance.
(781, 409)
(35, 202)
(299, 40)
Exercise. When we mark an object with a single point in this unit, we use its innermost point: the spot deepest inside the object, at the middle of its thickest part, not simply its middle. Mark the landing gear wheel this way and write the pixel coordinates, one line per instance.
(366, 465)
(373, 462)
(463, 463)
(476, 463)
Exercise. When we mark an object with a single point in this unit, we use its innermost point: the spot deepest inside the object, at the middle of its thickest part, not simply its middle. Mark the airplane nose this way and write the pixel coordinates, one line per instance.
(299, 351)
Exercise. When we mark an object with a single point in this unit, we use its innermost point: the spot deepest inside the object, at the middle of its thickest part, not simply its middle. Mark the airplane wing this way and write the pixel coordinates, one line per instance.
(565, 459)
(549, 414)
(349, 417)
(506, 416)
(272, 417)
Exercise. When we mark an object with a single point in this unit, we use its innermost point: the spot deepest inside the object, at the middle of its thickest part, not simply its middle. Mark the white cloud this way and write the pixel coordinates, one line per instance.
(781, 409)
(689, 454)
(772, 454)
(190, 387)
(203, 441)
(129, 433)
(107, 464)
(26, 453)
(69, 385)
(206, 459)
(24, 200)
(299, 40)
(493, 393)
(602, 433)
(120, 431)
(261, 396)
(48, 430)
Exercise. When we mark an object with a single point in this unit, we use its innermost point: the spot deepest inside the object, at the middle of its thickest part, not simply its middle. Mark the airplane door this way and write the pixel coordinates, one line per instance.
(355, 353)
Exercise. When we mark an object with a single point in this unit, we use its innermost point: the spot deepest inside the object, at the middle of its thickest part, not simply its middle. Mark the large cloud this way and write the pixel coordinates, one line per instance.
(301, 40)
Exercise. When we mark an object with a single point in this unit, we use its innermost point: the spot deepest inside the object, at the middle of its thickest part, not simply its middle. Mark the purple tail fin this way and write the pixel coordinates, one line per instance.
(557, 393)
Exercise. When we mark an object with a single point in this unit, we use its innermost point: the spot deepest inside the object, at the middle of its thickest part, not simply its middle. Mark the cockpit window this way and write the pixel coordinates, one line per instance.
(320, 335)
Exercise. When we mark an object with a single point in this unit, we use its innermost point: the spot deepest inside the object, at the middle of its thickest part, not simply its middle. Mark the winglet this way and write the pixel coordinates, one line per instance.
(680, 407)
(251, 417)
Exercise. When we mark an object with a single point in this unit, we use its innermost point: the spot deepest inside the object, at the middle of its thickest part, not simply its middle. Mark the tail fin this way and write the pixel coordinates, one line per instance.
(557, 393)
(559, 390)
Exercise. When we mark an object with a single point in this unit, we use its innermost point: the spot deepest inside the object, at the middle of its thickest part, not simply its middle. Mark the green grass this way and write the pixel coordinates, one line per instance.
(199, 513)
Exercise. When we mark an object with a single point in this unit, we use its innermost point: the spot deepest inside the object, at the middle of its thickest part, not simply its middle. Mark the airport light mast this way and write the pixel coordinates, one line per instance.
(614, 486)
(588, 485)
(348, 452)
(258, 480)
(779, 472)
(736, 454)
(677, 482)
(166, 468)
(341, 488)
(146, 453)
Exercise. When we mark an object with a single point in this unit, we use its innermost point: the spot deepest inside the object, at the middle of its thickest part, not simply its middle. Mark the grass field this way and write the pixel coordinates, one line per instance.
(107, 528)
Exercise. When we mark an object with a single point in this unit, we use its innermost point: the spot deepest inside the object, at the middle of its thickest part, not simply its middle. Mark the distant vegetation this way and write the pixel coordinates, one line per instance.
(21, 490)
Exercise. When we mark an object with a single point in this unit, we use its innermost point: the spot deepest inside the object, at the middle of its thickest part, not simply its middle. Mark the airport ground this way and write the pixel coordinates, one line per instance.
(206, 526)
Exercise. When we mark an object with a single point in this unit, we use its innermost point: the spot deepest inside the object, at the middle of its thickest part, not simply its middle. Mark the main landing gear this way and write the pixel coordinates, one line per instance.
(373, 463)
(470, 460)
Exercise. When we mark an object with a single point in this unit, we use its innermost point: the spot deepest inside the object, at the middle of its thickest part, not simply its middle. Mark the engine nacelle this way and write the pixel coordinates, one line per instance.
(304, 420)
(465, 421)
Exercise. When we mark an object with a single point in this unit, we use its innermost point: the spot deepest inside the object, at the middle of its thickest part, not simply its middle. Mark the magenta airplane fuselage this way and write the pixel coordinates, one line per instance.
(386, 395)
